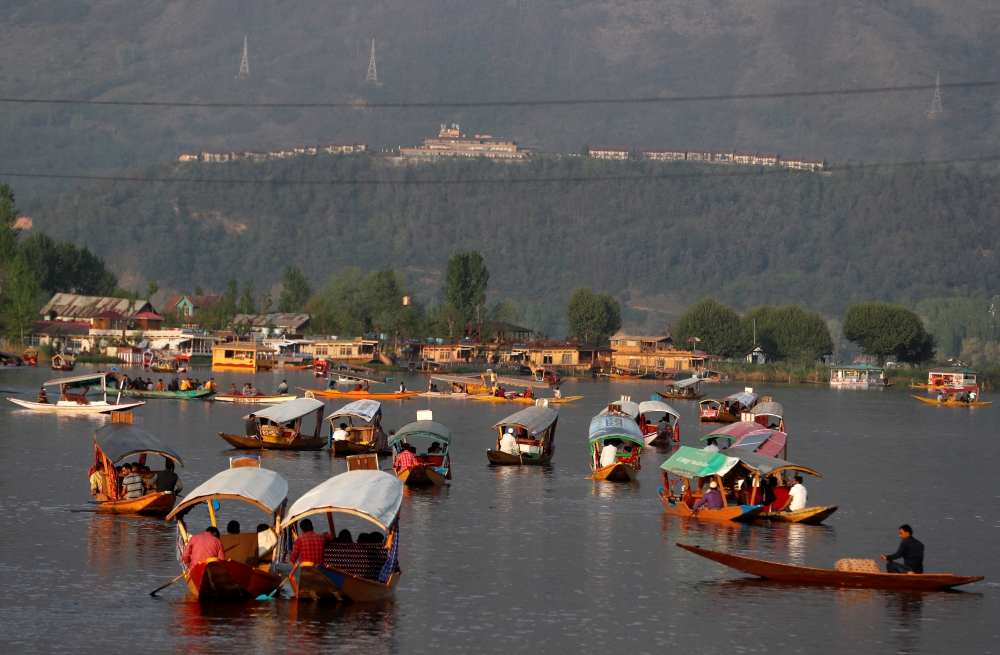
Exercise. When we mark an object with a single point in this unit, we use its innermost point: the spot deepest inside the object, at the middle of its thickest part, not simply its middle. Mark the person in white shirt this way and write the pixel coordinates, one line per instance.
(557, 393)
(609, 455)
(508, 443)
(712, 446)
(341, 433)
(798, 494)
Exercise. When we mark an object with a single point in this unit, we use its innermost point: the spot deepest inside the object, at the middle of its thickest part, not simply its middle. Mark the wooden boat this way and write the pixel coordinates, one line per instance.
(445, 394)
(242, 356)
(534, 431)
(320, 367)
(30, 356)
(807, 575)
(756, 469)
(433, 466)
(547, 376)
(550, 401)
(615, 428)
(73, 402)
(729, 409)
(119, 440)
(692, 466)
(168, 365)
(355, 572)
(240, 399)
(953, 403)
(768, 414)
(168, 395)
(369, 395)
(63, 363)
(648, 421)
(750, 436)
(808, 515)
(362, 420)
(279, 427)
(241, 576)
(689, 389)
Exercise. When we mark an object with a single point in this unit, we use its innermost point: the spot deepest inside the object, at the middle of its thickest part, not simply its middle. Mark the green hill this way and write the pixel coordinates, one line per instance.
(823, 241)
(475, 50)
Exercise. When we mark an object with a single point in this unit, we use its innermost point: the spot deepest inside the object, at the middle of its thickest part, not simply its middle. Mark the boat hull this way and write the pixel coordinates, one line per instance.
(249, 443)
(807, 575)
(216, 579)
(718, 417)
(168, 395)
(809, 515)
(500, 458)
(737, 513)
(344, 448)
(680, 396)
(320, 583)
(155, 504)
(615, 473)
(952, 403)
(98, 407)
(421, 475)
(331, 393)
(252, 400)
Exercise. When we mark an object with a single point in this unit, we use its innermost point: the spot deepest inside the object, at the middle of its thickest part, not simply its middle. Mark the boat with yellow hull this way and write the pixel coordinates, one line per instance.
(334, 393)
(808, 515)
(953, 403)
(433, 466)
(617, 472)
(616, 443)
(154, 504)
(738, 513)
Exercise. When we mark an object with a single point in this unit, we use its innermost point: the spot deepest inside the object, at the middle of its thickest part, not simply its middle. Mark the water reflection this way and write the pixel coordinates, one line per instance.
(131, 542)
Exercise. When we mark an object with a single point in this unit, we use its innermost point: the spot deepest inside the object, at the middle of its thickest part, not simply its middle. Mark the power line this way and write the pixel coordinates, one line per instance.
(498, 181)
(505, 103)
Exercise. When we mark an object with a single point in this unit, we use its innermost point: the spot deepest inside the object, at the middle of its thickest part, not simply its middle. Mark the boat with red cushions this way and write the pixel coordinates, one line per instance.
(691, 466)
(651, 412)
(729, 409)
(433, 465)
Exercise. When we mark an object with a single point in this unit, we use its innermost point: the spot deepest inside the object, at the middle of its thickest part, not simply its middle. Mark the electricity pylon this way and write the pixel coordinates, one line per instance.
(372, 76)
(245, 64)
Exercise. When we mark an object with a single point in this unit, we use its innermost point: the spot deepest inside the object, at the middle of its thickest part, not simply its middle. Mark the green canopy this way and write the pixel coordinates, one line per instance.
(690, 463)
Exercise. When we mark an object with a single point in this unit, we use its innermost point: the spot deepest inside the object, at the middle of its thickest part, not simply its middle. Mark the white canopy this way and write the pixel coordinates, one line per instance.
(261, 487)
(657, 406)
(627, 406)
(289, 411)
(362, 409)
(375, 495)
(684, 384)
(768, 408)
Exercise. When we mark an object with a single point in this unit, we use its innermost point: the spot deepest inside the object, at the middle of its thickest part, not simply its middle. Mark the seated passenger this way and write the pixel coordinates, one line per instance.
(508, 444)
(233, 527)
(341, 433)
(266, 541)
(434, 449)
(405, 459)
(712, 447)
(344, 537)
(232, 389)
(609, 454)
(132, 484)
(798, 494)
(159, 385)
(202, 546)
(711, 500)
(186, 385)
(42, 396)
(309, 546)
(247, 389)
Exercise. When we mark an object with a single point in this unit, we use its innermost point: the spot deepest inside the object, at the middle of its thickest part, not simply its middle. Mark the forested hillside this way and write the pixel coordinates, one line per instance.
(483, 50)
(823, 241)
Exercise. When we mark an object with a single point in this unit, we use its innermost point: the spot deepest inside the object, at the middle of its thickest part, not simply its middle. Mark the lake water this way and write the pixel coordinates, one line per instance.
(538, 560)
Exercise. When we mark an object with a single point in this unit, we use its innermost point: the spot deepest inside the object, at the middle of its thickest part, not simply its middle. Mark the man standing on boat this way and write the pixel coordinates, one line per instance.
(252, 426)
(911, 550)
(167, 480)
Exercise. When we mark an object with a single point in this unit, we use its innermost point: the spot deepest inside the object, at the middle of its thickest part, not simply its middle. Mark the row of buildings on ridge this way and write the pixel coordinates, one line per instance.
(725, 156)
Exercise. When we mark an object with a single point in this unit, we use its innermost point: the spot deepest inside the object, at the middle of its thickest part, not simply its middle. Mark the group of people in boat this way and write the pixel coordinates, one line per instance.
(512, 436)
(961, 396)
(134, 480)
(176, 384)
(614, 447)
(406, 457)
(380, 441)
(211, 543)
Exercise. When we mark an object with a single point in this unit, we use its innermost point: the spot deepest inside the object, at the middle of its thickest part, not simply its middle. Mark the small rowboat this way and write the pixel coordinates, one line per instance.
(434, 465)
(240, 399)
(808, 515)
(953, 403)
(689, 389)
(63, 363)
(168, 395)
(534, 438)
(357, 572)
(363, 423)
(830, 577)
(334, 393)
(615, 428)
(241, 576)
(729, 409)
(77, 403)
(279, 427)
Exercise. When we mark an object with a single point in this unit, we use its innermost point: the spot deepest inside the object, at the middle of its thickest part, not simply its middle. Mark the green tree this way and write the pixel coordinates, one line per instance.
(248, 304)
(788, 333)
(151, 290)
(230, 303)
(593, 318)
(294, 290)
(9, 234)
(65, 268)
(885, 330)
(717, 326)
(465, 281)
(20, 306)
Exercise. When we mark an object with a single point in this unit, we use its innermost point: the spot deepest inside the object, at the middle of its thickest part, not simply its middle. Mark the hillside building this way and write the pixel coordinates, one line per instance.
(186, 307)
(611, 152)
(803, 163)
(663, 154)
(744, 156)
(699, 155)
(644, 353)
(451, 143)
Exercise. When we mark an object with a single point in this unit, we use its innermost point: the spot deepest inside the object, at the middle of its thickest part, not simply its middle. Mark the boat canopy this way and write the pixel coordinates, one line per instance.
(430, 429)
(261, 487)
(366, 410)
(756, 441)
(374, 495)
(120, 440)
(514, 382)
(360, 377)
(769, 409)
(735, 431)
(533, 419)
(456, 379)
(765, 465)
(690, 463)
(93, 377)
(607, 426)
(684, 384)
(742, 397)
(657, 406)
(627, 406)
(285, 412)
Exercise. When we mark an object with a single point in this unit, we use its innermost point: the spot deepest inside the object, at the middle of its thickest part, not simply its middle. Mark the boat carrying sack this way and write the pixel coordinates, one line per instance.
(857, 565)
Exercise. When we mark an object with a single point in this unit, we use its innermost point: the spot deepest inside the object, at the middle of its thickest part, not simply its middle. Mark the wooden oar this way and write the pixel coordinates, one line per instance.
(153, 593)
(280, 584)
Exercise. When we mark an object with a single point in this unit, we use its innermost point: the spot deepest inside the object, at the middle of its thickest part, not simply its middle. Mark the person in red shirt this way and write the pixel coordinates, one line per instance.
(202, 546)
(405, 459)
(309, 546)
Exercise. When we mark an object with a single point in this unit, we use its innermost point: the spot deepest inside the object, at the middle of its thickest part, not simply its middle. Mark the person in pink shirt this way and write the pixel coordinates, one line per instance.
(202, 546)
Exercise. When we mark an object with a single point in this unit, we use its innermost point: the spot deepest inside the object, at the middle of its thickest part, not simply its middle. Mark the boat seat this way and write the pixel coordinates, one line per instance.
(433, 460)
(241, 547)
(363, 560)
(857, 565)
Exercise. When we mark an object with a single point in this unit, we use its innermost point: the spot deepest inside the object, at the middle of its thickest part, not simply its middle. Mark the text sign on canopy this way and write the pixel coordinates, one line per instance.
(693, 463)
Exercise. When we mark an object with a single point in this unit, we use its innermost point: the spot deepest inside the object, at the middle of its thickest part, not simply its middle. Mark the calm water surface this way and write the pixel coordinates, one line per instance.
(525, 560)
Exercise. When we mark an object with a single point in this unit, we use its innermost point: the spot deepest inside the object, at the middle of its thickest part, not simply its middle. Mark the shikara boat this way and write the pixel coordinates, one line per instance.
(63, 363)
(768, 414)
(534, 434)
(755, 470)
(729, 409)
(689, 389)
(369, 395)
(241, 576)
(953, 403)
(240, 399)
(619, 430)
(73, 397)
(433, 466)
(168, 365)
(169, 395)
(691, 466)
(752, 437)
(363, 421)
(120, 440)
(547, 376)
(650, 413)
(831, 577)
(355, 572)
(30, 356)
(279, 427)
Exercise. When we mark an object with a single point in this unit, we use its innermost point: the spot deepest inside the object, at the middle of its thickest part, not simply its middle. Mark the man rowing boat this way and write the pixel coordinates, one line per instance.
(911, 550)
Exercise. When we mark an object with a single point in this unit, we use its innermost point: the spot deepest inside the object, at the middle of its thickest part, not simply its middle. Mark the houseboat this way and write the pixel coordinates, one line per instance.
(857, 375)
(242, 356)
(950, 377)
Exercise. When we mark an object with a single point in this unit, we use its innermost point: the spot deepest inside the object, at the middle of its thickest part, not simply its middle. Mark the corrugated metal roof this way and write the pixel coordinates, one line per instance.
(71, 305)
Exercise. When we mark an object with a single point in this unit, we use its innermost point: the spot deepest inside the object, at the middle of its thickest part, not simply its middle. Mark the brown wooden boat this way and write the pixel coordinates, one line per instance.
(279, 427)
(154, 504)
(534, 432)
(831, 577)
(431, 467)
(363, 423)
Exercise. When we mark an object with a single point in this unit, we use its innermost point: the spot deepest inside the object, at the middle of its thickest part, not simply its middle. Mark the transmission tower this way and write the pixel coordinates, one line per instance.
(372, 76)
(936, 109)
(245, 64)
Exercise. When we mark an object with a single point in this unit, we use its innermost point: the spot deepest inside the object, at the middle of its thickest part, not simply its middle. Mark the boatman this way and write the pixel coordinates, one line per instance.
(405, 459)
(283, 388)
(711, 500)
(712, 447)
(508, 443)
(911, 550)
(309, 546)
(203, 546)
(556, 393)
(97, 479)
(252, 426)
(798, 495)
(42, 396)
(167, 480)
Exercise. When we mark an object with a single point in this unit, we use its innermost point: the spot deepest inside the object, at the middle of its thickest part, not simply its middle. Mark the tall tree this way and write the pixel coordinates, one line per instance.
(8, 233)
(465, 281)
(248, 303)
(294, 290)
(66, 268)
(230, 303)
(717, 327)
(593, 317)
(885, 330)
(20, 306)
(788, 333)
